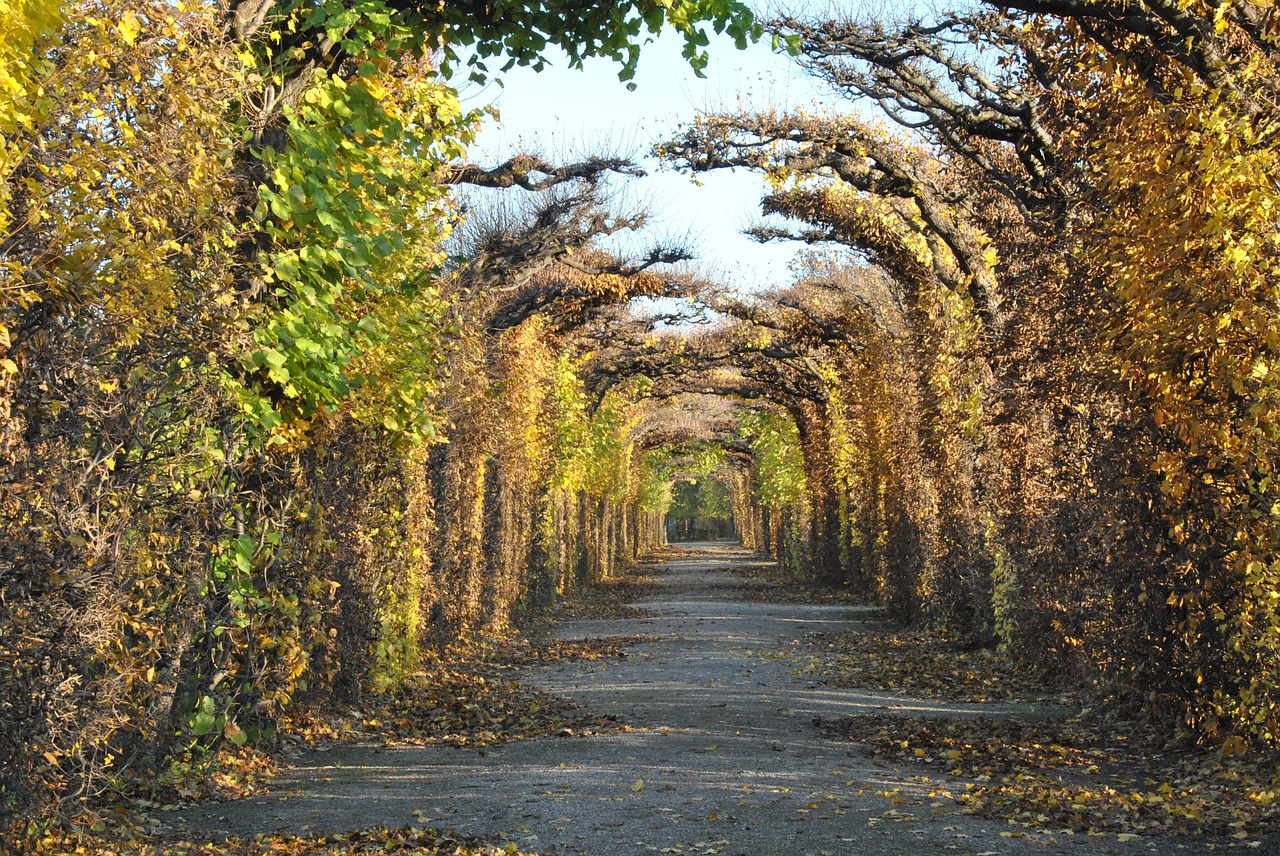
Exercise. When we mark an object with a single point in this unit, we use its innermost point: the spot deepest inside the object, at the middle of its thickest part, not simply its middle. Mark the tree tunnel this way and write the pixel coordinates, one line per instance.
(278, 421)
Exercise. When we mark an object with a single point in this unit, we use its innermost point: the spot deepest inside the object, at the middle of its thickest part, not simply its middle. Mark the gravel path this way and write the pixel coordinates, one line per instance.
(722, 758)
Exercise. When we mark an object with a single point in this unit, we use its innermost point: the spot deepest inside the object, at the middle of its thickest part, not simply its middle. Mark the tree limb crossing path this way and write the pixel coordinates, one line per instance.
(722, 755)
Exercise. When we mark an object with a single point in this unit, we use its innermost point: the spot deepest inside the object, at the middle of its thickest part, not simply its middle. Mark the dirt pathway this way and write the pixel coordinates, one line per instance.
(722, 757)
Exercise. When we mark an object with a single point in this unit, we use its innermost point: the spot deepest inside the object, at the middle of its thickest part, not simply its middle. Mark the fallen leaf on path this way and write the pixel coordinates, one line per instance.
(1089, 773)
(378, 841)
(920, 662)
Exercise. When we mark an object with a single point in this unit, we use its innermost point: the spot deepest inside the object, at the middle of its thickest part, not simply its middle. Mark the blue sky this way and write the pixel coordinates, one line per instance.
(566, 113)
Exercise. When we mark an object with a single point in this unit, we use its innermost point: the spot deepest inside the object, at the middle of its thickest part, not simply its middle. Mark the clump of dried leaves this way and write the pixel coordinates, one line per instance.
(124, 840)
(461, 699)
(227, 773)
(521, 652)
(450, 706)
(1093, 773)
(922, 663)
(1089, 774)
(608, 599)
(765, 582)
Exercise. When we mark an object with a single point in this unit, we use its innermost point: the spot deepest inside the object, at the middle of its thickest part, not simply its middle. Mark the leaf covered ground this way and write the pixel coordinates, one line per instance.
(921, 663)
(612, 598)
(1085, 772)
(461, 705)
(767, 583)
(465, 697)
(458, 700)
(132, 841)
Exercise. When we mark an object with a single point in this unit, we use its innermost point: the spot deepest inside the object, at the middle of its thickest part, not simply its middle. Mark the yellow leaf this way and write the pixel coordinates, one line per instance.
(638, 786)
(129, 28)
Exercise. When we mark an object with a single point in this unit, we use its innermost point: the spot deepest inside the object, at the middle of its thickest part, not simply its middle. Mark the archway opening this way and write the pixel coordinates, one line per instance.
(701, 510)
